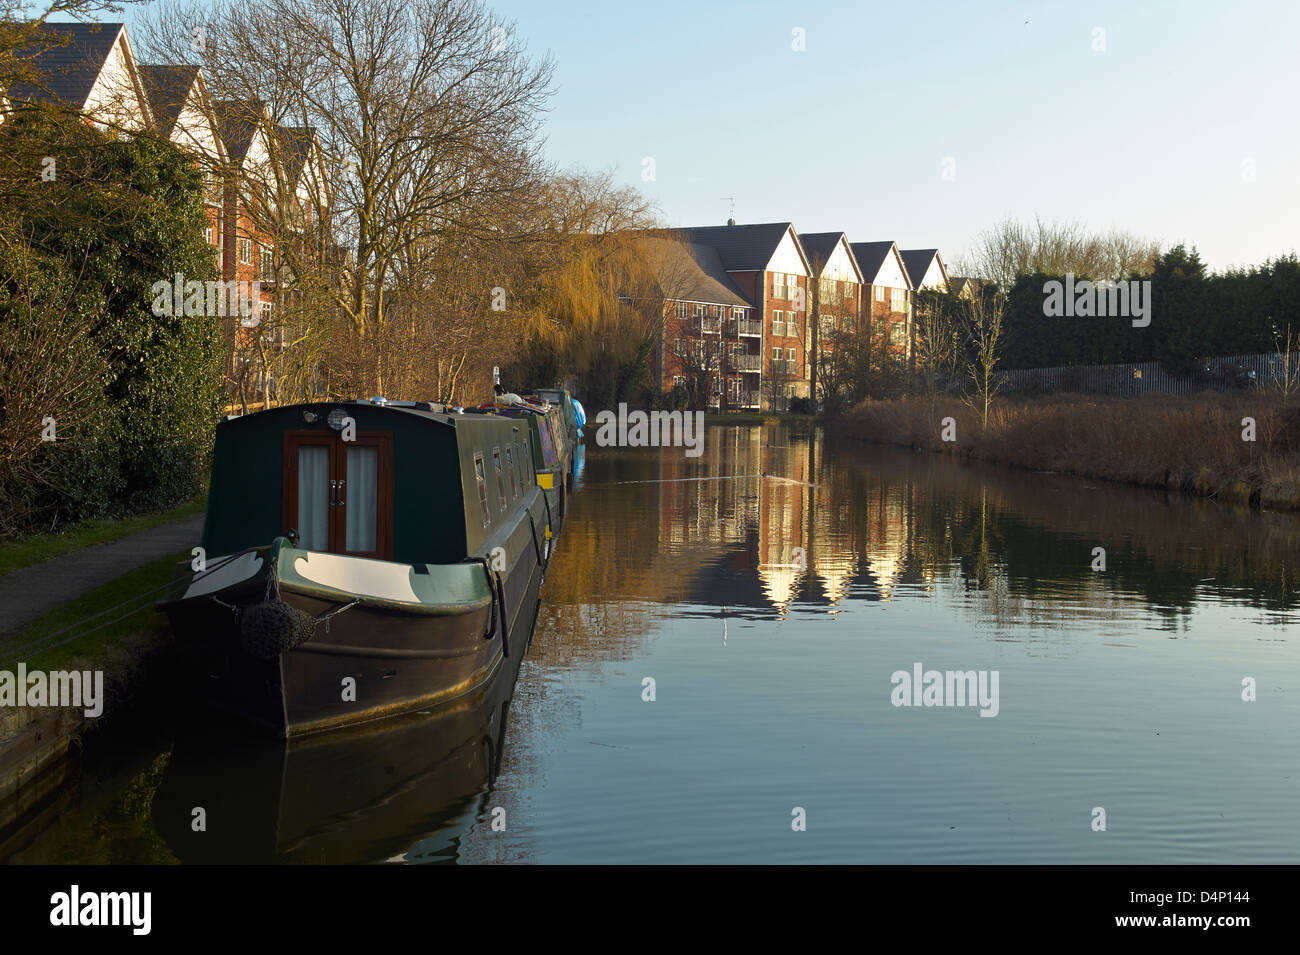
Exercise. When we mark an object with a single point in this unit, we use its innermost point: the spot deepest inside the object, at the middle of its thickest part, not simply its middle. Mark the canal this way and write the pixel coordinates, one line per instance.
(713, 679)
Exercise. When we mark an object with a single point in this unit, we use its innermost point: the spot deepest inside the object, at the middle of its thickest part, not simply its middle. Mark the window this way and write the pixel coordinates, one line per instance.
(480, 478)
(897, 333)
(680, 348)
(699, 311)
(880, 293)
(207, 235)
(681, 309)
(338, 495)
(778, 322)
(510, 466)
(737, 313)
(245, 251)
(897, 300)
(266, 313)
(268, 267)
(501, 478)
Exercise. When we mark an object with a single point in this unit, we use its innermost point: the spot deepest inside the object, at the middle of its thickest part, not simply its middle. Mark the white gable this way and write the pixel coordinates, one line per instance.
(787, 257)
(115, 98)
(934, 277)
(839, 266)
(891, 272)
(193, 131)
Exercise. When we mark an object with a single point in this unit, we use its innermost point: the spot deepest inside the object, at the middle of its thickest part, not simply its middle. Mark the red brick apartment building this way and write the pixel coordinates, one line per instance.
(768, 265)
(712, 342)
(887, 305)
(838, 290)
(236, 144)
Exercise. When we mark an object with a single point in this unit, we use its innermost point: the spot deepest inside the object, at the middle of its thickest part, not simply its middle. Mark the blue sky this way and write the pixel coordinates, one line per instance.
(1156, 134)
(1152, 135)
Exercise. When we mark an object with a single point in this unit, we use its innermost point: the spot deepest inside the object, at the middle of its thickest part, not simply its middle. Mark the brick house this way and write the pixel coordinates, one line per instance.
(836, 301)
(712, 343)
(183, 113)
(887, 302)
(248, 251)
(769, 266)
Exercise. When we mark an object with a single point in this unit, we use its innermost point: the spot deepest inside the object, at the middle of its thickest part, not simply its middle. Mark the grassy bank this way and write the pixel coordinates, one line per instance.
(25, 551)
(1193, 444)
(123, 649)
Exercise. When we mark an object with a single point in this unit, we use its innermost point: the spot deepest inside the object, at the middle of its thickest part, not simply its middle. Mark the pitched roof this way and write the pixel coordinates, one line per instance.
(294, 143)
(68, 71)
(917, 262)
(744, 248)
(871, 255)
(691, 272)
(237, 122)
(820, 246)
(168, 87)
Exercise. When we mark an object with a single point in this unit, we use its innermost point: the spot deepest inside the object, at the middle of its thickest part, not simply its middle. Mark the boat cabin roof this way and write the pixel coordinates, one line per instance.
(448, 483)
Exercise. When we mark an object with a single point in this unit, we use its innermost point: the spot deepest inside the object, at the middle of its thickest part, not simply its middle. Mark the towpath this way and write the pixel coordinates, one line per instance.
(34, 591)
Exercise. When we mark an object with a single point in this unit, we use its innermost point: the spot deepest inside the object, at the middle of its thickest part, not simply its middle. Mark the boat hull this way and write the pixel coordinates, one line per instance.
(367, 657)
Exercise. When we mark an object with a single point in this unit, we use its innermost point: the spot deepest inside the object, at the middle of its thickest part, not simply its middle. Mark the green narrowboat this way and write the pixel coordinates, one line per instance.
(552, 454)
(562, 398)
(361, 559)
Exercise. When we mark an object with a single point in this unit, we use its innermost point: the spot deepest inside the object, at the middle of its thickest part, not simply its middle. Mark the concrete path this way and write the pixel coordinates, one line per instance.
(34, 591)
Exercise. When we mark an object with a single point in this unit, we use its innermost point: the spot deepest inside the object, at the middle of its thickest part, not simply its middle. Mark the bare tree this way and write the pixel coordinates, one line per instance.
(1011, 248)
(936, 341)
(426, 118)
(983, 331)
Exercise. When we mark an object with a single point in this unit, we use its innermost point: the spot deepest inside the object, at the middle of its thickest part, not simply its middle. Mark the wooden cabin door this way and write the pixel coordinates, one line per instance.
(338, 495)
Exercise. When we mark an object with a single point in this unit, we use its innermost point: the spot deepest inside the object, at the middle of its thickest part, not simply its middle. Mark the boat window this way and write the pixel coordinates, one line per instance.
(338, 494)
(501, 478)
(480, 476)
(313, 497)
(510, 466)
(362, 499)
(548, 444)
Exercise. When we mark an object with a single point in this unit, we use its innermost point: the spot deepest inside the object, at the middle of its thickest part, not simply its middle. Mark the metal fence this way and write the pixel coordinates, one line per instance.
(1233, 373)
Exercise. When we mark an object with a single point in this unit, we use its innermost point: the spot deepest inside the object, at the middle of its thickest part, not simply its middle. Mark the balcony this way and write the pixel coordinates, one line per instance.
(747, 399)
(746, 362)
(745, 326)
(711, 326)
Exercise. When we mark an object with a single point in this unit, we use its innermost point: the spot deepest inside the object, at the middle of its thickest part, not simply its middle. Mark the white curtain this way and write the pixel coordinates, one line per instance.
(362, 498)
(313, 497)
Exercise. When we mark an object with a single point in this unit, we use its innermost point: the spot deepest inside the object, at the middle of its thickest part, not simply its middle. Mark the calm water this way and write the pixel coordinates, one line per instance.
(771, 609)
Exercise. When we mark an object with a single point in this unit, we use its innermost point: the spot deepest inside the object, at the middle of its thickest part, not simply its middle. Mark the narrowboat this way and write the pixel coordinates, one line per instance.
(552, 454)
(570, 409)
(361, 559)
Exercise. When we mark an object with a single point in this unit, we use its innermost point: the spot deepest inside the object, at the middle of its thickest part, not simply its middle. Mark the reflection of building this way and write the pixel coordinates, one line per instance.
(783, 518)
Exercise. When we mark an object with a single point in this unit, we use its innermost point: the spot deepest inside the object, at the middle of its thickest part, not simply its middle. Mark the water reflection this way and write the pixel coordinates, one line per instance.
(770, 587)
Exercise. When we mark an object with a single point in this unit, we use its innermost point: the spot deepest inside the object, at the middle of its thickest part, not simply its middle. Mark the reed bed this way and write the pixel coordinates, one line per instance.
(1193, 443)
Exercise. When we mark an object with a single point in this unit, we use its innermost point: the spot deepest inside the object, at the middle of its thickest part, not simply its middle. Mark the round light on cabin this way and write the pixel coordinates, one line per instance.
(335, 419)
(309, 417)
